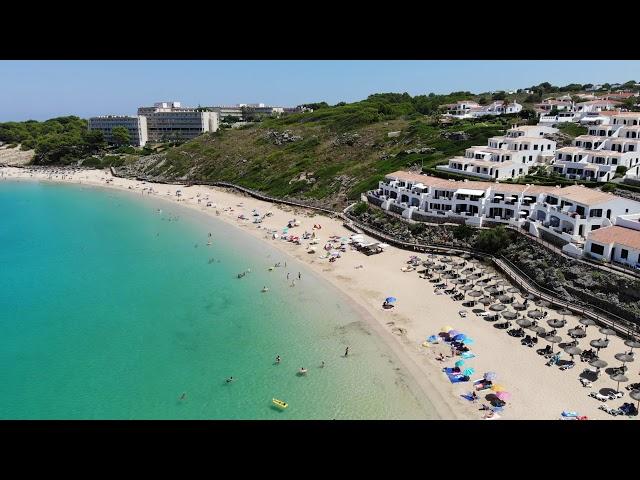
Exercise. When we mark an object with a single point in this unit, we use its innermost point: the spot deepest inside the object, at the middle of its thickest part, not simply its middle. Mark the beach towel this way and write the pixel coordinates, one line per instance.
(456, 377)
(467, 396)
(566, 413)
(467, 355)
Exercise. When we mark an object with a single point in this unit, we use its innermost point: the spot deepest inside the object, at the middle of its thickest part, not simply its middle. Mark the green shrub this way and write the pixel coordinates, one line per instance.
(361, 208)
(463, 232)
(493, 240)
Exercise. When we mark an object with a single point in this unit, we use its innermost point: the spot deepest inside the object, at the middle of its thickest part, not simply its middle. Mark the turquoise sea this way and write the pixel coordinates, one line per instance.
(111, 310)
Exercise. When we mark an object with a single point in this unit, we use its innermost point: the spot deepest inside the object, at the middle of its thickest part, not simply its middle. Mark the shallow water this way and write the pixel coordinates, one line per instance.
(110, 310)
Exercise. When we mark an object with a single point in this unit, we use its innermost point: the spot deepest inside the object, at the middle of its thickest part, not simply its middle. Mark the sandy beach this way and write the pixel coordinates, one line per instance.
(537, 391)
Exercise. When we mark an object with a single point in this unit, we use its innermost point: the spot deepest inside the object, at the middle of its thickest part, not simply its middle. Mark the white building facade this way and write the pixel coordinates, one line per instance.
(507, 156)
(170, 121)
(137, 127)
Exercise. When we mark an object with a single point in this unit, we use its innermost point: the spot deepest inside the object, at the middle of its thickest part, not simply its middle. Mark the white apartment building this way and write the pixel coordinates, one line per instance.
(238, 111)
(568, 215)
(507, 156)
(619, 243)
(137, 127)
(568, 111)
(471, 109)
(597, 155)
(169, 120)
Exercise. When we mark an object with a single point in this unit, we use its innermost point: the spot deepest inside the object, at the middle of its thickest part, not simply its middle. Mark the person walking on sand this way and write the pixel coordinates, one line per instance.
(346, 352)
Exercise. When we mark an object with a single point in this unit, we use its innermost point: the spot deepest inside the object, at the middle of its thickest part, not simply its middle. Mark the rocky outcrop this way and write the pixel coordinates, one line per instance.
(457, 136)
(350, 139)
(15, 156)
(280, 138)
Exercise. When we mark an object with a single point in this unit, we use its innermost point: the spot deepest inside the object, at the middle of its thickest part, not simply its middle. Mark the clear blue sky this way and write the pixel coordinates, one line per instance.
(43, 89)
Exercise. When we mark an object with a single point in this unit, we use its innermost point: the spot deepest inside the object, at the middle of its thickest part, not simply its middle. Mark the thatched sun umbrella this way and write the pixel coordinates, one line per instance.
(513, 290)
(624, 358)
(538, 330)
(509, 315)
(635, 394)
(587, 322)
(505, 298)
(553, 339)
(632, 344)
(475, 293)
(564, 312)
(573, 351)
(577, 333)
(523, 322)
(607, 331)
(599, 343)
(498, 307)
(555, 323)
(536, 314)
(519, 306)
(619, 378)
(598, 364)
(543, 303)
(486, 301)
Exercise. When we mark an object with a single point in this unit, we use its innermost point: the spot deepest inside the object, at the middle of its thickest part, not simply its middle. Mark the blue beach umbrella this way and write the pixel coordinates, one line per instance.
(468, 371)
(459, 363)
(390, 299)
(460, 337)
(468, 341)
(432, 338)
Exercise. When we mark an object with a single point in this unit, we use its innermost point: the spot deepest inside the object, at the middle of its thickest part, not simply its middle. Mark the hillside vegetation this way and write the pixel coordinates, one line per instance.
(332, 154)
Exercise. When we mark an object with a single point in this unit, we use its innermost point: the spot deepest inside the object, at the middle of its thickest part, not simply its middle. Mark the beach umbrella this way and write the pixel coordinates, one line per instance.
(468, 371)
(428, 263)
(466, 256)
(632, 344)
(475, 276)
(509, 315)
(538, 330)
(432, 339)
(519, 306)
(504, 396)
(491, 290)
(457, 281)
(485, 301)
(607, 331)
(524, 323)
(635, 394)
(459, 363)
(497, 388)
(448, 276)
(598, 344)
(459, 337)
(390, 299)
(624, 358)
(498, 307)
(491, 376)
(587, 321)
(555, 323)
(505, 298)
(536, 314)
(475, 293)
(620, 379)
(577, 333)
(573, 351)
(529, 296)
(598, 363)
(543, 303)
(452, 333)
(467, 288)
(468, 341)
(445, 260)
(446, 328)
(513, 290)
(553, 339)
(564, 312)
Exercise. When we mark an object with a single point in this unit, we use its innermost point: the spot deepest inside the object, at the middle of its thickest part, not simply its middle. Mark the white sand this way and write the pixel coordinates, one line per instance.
(538, 391)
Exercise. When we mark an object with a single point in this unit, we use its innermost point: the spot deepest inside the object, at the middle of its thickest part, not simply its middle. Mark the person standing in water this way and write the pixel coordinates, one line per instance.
(299, 276)
(229, 380)
(346, 352)
(322, 364)
(277, 359)
(183, 396)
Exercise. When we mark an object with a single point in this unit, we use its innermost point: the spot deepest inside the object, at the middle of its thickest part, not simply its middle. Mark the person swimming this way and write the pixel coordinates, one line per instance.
(183, 396)
(229, 380)
(277, 359)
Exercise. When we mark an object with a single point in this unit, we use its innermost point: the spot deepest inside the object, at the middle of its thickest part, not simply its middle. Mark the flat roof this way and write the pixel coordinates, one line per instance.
(615, 234)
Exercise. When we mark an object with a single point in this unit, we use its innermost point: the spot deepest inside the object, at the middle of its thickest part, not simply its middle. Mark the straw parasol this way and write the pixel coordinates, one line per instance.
(577, 333)
(635, 394)
(543, 303)
(467, 288)
(587, 321)
(519, 306)
(513, 290)
(620, 379)
(475, 293)
(491, 290)
(445, 260)
(505, 298)
(536, 314)
(607, 331)
(466, 256)
(498, 307)
(529, 296)
(599, 343)
(564, 312)
(523, 322)
(538, 330)
(573, 351)
(624, 358)
(509, 315)
(598, 363)
(632, 344)
(555, 323)
(553, 339)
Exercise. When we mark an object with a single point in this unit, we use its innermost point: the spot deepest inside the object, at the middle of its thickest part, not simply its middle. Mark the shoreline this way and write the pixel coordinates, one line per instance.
(539, 392)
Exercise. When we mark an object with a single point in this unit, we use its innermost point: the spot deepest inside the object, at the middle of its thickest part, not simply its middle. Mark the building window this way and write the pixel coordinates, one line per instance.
(597, 249)
(624, 254)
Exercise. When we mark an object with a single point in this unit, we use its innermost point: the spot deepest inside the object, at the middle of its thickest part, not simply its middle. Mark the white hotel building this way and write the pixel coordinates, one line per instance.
(508, 156)
(597, 155)
(566, 216)
(471, 109)
(168, 120)
(137, 127)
